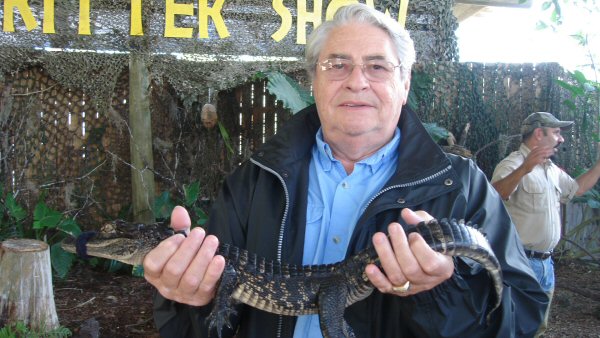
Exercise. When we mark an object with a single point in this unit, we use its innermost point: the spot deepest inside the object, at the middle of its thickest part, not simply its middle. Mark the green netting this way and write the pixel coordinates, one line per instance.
(89, 62)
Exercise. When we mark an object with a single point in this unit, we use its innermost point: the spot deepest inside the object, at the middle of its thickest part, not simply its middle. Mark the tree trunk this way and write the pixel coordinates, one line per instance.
(142, 160)
(26, 293)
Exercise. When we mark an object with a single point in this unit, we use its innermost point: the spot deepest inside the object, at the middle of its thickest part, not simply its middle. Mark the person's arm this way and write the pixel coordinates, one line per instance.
(508, 184)
(185, 272)
(588, 179)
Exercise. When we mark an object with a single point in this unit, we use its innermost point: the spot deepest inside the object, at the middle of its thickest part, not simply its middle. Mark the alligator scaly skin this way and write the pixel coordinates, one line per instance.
(298, 290)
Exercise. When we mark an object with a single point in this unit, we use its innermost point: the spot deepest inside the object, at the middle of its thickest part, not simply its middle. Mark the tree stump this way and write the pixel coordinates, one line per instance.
(26, 293)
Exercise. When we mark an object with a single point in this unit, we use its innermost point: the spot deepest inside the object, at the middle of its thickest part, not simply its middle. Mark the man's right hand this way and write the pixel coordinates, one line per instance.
(185, 269)
(537, 155)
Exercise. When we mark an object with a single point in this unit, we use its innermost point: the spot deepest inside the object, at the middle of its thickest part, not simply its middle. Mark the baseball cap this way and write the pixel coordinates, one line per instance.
(543, 119)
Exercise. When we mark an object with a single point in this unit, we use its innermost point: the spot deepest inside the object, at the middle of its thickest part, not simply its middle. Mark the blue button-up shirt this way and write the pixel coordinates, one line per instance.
(335, 202)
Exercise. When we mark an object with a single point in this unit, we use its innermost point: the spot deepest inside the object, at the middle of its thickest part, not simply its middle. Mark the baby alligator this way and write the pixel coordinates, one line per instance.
(289, 289)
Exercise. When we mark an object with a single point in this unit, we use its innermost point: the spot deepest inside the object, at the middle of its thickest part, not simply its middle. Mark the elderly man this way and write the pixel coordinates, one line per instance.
(533, 187)
(338, 177)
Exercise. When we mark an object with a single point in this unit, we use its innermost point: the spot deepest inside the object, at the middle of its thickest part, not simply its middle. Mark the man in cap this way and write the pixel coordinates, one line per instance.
(533, 187)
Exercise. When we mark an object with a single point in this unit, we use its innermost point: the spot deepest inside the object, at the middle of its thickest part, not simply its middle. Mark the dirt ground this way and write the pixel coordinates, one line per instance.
(120, 305)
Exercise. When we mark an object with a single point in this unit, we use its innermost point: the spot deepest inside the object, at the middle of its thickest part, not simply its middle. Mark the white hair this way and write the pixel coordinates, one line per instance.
(361, 13)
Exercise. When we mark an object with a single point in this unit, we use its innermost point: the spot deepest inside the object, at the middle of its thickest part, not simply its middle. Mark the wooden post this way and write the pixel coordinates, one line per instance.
(26, 293)
(140, 121)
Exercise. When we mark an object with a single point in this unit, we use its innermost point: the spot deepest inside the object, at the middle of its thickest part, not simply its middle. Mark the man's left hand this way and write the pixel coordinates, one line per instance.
(407, 260)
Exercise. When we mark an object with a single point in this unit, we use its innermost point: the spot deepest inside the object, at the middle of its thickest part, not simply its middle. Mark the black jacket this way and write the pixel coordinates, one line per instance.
(262, 208)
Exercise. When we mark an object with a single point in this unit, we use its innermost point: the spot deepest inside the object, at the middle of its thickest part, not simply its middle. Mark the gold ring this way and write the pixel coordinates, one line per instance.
(401, 288)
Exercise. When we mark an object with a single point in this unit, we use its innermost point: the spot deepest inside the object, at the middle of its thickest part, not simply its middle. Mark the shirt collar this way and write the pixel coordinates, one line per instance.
(373, 162)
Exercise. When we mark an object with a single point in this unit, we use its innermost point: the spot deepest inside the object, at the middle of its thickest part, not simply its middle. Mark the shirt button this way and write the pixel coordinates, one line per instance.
(345, 185)
(336, 240)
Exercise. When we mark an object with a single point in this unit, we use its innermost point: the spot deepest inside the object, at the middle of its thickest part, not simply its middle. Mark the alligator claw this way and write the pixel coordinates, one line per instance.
(223, 308)
(219, 319)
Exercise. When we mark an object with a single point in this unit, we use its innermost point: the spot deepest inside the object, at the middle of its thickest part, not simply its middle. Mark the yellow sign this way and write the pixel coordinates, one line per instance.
(206, 13)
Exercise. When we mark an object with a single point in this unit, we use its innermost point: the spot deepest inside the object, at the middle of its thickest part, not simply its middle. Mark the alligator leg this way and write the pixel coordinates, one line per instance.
(223, 306)
(332, 303)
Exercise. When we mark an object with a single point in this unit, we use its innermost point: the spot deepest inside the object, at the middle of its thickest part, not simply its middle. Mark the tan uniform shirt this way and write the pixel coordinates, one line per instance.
(534, 205)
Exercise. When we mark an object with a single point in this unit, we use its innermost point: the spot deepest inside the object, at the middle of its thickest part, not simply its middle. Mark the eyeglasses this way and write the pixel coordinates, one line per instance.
(374, 70)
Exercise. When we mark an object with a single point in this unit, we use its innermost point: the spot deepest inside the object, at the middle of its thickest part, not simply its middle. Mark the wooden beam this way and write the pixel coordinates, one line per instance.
(140, 122)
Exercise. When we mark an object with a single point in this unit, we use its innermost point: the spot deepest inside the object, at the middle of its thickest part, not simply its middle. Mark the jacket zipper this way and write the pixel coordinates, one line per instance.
(281, 228)
(287, 202)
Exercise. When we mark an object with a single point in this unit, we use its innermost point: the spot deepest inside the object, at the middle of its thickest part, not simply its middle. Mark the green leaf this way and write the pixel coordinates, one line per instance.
(436, 132)
(287, 90)
(70, 227)
(14, 210)
(541, 25)
(555, 18)
(163, 205)
(579, 77)
(575, 90)
(580, 38)
(61, 260)
(590, 197)
(594, 204)
(546, 5)
(44, 217)
(420, 85)
(570, 104)
(192, 192)
(202, 216)
(226, 137)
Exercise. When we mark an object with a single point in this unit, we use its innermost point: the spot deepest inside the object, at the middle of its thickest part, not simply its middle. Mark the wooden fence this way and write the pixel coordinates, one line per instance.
(55, 140)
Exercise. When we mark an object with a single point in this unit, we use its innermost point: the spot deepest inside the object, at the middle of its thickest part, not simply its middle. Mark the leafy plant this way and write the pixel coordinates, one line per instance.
(420, 88)
(12, 216)
(591, 198)
(164, 204)
(584, 93)
(585, 90)
(288, 91)
(21, 330)
(52, 227)
(49, 225)
(436, 132)
(226, 138)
